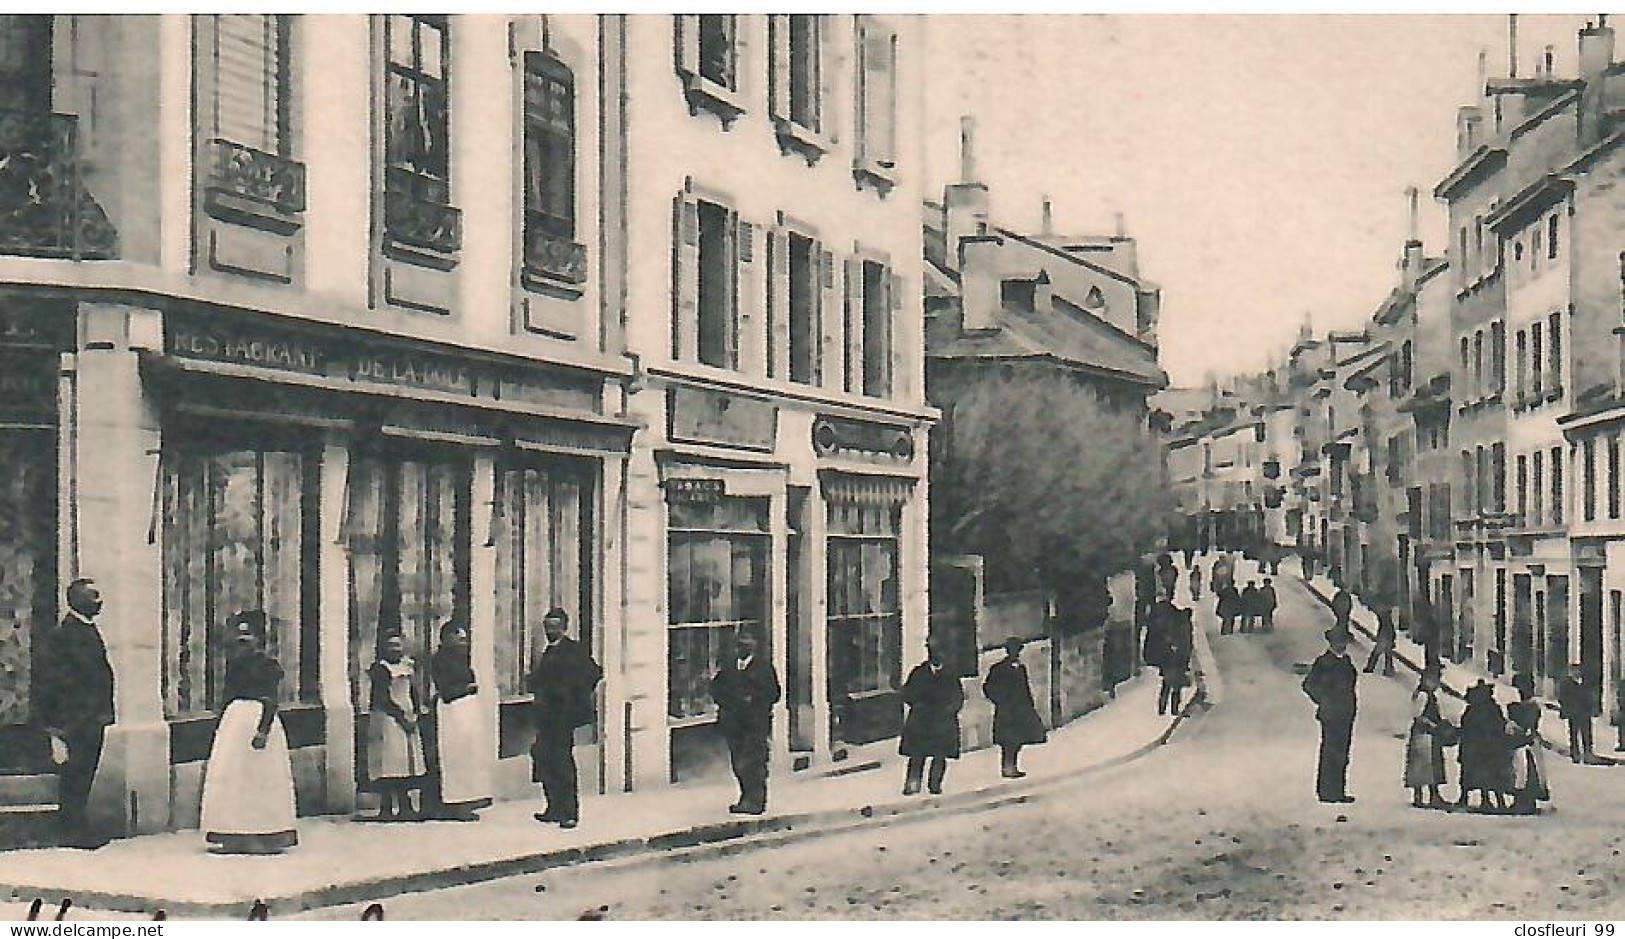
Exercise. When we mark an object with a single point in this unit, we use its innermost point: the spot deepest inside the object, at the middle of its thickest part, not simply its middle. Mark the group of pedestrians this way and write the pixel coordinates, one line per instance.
(1251, 609)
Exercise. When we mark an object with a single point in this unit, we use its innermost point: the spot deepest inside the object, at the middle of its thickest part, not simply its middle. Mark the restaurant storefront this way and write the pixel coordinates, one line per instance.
(343, 483)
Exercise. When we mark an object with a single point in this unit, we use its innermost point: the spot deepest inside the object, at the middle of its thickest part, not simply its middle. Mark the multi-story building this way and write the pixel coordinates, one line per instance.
(374, 323)
(304, 315)
(772, 276)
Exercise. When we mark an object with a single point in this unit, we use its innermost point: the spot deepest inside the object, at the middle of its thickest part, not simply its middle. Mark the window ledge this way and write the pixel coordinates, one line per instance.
(794, 138)
(873, 174)
(705, 94)
(230, 206)
(539, 281)
(414, 254)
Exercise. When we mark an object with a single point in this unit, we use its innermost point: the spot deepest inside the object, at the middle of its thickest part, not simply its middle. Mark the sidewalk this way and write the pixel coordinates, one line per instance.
(341, 861)
(1454, 677)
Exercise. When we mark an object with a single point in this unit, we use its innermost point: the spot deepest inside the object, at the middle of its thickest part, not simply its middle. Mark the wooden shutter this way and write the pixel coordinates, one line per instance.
(686, 39)
(778, 304)
(778, 59)
(897, 364)
(830, 60)
(753, 302)
(852, 327)
(247, 79)
(685, 275)
(831, 353)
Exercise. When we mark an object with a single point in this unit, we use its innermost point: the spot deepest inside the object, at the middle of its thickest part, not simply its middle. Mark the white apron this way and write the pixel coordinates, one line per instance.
(465, 752)
(248, 792)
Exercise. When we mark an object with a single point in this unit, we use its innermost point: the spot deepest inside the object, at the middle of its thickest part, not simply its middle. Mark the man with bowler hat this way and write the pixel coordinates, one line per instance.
(563, 682)
(74, 703)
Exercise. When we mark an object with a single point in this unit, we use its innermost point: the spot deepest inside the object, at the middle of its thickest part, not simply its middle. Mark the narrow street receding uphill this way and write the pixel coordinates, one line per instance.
(1222, 823)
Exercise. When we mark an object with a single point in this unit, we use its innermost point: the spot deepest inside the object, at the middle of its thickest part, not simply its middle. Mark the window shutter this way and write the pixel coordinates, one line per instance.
(898, 364)
(853, 326)
(685, 273)
(778, 304)
(246, 86)
(686, 38)
(830, 355)
(753, 327)
(778, 58)
(830, 60)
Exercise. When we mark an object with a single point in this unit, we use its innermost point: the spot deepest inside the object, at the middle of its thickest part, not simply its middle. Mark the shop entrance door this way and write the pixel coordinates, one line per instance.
(1591, 630)
(27, 585)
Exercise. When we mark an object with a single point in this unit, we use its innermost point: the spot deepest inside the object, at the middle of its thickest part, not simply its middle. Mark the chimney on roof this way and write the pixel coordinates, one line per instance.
(1596, 48)
(1122, 229)
(1410, 266)
(1047, 223)
(1512, 45)
(967, 149)
(1546, 59)
(965, 203)
(1483, 74)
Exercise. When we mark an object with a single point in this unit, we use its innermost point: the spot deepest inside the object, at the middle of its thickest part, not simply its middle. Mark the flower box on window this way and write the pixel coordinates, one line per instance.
(553, 261)
(254, 187)
(45, 210)
(415, 222)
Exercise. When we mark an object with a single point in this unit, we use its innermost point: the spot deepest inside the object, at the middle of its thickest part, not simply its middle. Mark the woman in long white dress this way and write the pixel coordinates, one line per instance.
(248, 802)
(464, 746)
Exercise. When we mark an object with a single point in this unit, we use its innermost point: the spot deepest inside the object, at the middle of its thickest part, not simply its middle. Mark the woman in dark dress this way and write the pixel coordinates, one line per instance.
(1529, 780)
(1016, 723)
(1484, 763)
(248, 804)
(931, 729)
(460, 728)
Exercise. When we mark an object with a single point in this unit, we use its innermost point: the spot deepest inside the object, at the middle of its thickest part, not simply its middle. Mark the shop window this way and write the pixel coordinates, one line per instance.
(407, 529)
(879, 298)
(717, 581)
(27, 569)
(542, 532)
(865, 614)
(417, 132)
(551, 251)
(239, 536)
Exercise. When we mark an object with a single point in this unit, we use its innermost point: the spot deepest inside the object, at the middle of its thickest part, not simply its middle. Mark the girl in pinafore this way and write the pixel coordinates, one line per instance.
(465, 749)
(248, 805)
(394, 751)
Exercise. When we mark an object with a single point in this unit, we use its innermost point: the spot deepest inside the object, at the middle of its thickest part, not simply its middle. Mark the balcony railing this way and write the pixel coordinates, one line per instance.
(418, 223)
(551, 258)
(45, 210)
(267, 178)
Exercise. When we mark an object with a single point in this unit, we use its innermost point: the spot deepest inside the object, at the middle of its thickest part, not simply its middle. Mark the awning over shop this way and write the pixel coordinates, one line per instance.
(856, 489)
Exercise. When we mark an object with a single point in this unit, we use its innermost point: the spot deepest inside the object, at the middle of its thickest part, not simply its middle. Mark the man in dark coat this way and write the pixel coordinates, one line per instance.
(1576, 705)
(1266, 605)
(1167, 576)
(1250, 607)
(1342, 606)
(1229, 608)
(745, 691)
(73, 698)
(1016, 723)
(1176, 662)
(931, 729)
(563, 681)
(1330, 684)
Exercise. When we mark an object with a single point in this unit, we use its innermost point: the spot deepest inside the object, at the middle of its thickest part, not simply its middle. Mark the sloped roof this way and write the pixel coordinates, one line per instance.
(1065, 333)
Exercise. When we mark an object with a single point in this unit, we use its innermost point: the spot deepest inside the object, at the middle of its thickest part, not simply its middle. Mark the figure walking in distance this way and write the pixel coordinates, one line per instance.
(395, 761)
(931, 730)
(1175, 667)
(73, 700)
(1342, 604)
(1429, 734)
(745, 690)
(465, 753)
(1266, 605)
(1383, 649)
(1331, 685)
(248, 801)
(1016, 723)
(563, 682)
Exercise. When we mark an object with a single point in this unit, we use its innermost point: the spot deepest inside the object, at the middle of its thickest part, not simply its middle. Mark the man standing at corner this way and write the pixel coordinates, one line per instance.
(1342, 604)
(745, 691)
(1330, 684)
(74, 701)
(563, 682)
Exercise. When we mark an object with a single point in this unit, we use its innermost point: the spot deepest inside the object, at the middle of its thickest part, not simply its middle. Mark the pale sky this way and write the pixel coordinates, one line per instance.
(1260, 161)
